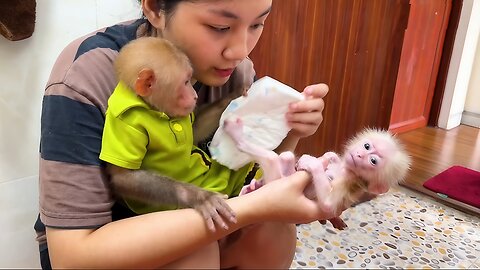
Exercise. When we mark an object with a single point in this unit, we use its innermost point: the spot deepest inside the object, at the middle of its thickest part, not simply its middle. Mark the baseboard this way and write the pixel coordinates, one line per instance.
(408, 125)
(471, 119)
(469, 209)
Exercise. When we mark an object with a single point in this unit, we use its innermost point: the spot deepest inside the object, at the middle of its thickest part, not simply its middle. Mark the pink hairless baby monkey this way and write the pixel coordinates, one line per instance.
(373, 162)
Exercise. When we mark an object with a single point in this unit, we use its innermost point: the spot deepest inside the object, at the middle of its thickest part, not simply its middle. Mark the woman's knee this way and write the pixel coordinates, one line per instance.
(279, 238)
(268, 245)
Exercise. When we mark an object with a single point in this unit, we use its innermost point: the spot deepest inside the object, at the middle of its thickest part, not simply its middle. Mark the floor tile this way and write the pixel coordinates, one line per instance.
(401, 229)
(475, 265)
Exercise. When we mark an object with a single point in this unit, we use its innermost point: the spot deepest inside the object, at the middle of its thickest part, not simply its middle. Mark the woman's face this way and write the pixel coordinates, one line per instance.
(217, 35)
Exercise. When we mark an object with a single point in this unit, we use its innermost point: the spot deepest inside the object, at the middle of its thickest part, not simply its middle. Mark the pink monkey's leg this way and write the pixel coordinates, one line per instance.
(287, 160)
(268, 160)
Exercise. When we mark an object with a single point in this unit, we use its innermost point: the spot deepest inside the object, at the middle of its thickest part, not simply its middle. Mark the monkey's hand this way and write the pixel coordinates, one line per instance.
(331, 157)
(254, 185)
(149, 187)
(242, 77)
(211, 205)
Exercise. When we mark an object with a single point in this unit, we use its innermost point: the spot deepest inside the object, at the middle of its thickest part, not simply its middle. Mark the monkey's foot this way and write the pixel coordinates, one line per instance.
(234, 128)
(338, 223)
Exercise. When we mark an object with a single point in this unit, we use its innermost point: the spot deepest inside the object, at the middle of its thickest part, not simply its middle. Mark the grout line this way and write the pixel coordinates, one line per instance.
(18, 179)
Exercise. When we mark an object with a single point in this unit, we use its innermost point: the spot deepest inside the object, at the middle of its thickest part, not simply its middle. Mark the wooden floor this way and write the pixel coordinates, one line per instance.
(434, 150)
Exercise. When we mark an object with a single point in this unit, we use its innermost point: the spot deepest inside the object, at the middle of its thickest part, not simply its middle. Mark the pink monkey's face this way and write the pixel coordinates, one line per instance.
(364, 157)
(367, 158)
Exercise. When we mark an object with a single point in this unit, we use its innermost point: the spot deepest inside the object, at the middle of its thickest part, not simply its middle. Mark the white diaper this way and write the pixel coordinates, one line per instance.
(263, 115)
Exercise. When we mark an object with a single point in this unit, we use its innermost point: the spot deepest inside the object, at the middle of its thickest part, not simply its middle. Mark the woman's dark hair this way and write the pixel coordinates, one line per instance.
(167, 7)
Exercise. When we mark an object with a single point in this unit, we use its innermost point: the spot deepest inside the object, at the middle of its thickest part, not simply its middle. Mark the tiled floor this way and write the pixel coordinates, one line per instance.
(398, 230)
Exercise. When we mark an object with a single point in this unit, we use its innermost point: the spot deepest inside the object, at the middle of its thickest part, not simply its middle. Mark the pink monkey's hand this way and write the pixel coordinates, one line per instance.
(320, 187)
(285, 201)
(304, 117)
(331, 157)
(254, 185)
(311, 164)
(315, 166)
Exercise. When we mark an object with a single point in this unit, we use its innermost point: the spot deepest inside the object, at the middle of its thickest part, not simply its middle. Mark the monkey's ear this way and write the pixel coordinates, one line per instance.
(144, 82)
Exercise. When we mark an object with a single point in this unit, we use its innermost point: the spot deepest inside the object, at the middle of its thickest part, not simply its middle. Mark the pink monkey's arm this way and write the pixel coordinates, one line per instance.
(321, 184)
(321, 187)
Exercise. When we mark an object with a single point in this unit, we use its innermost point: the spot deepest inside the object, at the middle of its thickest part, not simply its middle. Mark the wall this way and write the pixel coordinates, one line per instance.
(461, 69)
(471, 113)
(359, 60)
(24, 69)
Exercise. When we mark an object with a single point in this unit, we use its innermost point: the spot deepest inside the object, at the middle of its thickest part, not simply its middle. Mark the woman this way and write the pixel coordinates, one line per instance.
(84, 225)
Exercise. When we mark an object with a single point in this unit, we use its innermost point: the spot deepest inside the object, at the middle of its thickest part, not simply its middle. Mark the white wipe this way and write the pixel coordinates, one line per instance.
(263, 115)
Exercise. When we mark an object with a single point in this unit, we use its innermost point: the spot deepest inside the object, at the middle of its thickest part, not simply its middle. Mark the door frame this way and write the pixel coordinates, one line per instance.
(445, 60)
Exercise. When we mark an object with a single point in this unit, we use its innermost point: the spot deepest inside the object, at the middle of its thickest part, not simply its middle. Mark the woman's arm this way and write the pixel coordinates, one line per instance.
(155, 239)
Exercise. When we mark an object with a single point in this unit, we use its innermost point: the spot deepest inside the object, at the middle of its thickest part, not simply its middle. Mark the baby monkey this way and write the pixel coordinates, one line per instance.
(373, 161)
(155, 85)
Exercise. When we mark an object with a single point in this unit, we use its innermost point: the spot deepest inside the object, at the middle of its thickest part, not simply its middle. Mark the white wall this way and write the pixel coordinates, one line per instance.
(473, 95)
(461, 69)
(24, 69)
(471, 113)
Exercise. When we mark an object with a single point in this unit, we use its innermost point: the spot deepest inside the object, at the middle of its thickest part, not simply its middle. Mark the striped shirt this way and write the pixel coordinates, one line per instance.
(73, 185)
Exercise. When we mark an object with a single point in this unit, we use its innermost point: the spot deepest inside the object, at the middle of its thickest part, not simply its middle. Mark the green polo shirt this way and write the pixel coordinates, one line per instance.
(138, 137)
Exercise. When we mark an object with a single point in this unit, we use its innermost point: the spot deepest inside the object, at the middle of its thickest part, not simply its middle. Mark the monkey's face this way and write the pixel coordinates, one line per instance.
(176, 99)
(367, 158)
(363, 156)
(183, 100)
(378, 158)
(186, 99)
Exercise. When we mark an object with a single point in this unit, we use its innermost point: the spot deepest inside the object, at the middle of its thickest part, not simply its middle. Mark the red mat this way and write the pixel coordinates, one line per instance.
(457, 182)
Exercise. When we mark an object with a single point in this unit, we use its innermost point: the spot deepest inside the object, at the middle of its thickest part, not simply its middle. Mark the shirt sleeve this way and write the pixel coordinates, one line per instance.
(123, 144)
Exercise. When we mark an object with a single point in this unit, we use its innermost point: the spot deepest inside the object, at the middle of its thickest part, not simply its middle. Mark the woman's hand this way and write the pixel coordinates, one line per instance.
(304, 117)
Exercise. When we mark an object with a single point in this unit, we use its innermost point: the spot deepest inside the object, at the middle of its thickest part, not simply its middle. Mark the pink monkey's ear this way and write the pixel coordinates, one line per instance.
(144, 82)
(378, 188)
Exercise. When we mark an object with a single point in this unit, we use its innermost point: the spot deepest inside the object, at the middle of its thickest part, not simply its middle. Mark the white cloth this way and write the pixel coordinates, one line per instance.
(263, 115)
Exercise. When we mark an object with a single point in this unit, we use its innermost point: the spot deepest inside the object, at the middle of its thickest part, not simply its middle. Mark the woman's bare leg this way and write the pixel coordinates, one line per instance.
(207, 257)
(260, 246)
